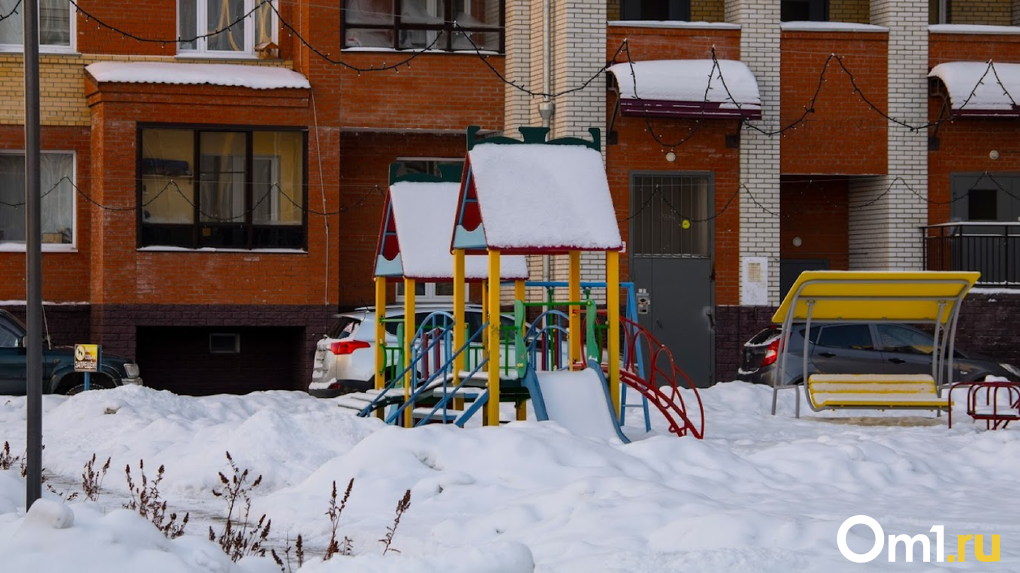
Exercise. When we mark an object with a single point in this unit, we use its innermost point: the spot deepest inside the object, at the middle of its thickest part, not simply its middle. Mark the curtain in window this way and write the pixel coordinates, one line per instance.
(221, 198)
(278, 170)
(167, 182)
(220, 14)
(54, 23)
(57, 214)
(187, 22)
(368, 12)
(263, 23)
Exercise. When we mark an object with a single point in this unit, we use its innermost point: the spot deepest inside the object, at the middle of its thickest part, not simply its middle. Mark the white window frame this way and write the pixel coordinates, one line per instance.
(201, 23)
(19, 246)
(430, 293)
(71, 48)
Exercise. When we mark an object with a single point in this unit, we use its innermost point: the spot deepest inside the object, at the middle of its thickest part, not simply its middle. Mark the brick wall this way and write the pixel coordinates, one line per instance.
(364, 178)
(759, 153)
(985, 12)
(66, 324)
(856, 11)
(735, 325)
(708, 11)
(705, 151)
(65, 273)
(841, 121)
(964, 144)
(816, 210)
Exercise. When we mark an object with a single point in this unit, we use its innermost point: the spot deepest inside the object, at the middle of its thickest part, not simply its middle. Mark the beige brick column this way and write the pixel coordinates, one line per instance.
(883, 228)
(759, 153)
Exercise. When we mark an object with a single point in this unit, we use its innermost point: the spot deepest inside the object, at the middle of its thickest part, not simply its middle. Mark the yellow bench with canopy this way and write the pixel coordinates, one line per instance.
(915, 297)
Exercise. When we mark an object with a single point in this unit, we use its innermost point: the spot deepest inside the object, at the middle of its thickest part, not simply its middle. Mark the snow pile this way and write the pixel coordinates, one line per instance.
(688, 80)
(233, 75)
(974, 87)
(544, 197)
(425, 214)
(761, 493)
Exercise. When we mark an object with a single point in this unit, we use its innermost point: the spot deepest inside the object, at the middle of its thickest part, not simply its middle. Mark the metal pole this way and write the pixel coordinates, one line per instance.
(33, 255)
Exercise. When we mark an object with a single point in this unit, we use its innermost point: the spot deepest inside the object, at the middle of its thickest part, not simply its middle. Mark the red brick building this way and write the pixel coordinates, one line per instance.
(208, 221)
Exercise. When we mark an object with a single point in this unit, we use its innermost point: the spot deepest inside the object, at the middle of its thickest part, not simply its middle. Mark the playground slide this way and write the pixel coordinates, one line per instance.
(579, 401)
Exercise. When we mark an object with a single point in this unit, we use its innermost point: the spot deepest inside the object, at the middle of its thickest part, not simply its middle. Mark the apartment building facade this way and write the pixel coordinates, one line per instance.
(211, 202)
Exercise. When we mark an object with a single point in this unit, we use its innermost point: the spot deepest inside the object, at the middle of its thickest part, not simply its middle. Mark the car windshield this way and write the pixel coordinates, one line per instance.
(344, 327)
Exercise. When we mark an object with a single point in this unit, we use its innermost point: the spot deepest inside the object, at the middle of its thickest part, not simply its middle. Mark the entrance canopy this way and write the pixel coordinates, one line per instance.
(415, 239)
(978, 91)
(535, 198)
(688, 88)
(921, 296)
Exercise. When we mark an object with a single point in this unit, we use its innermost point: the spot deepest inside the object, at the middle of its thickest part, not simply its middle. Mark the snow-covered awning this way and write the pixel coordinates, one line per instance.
(536, 198)
(420, 217)
(233, 75)
(981, 89)
(683, 88)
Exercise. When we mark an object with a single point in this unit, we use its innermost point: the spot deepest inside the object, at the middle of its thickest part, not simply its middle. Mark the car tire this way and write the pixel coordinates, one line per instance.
(77, 386)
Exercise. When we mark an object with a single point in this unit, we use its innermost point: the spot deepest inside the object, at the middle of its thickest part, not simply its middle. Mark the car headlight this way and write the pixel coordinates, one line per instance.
(131, 370)
(1012, 369)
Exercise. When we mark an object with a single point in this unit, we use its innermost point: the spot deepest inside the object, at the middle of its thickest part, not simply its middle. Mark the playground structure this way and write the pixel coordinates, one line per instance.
(919, 297)
(515, 199)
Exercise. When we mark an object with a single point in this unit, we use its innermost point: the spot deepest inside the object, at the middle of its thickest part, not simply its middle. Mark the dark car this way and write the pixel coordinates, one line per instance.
(59, 376)
(858, 348)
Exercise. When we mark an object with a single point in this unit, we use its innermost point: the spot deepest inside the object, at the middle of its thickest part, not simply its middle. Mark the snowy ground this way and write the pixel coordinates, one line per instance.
(760, 493)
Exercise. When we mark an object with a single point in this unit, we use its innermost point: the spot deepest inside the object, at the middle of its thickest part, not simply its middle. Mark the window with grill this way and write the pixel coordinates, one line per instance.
(670, 215)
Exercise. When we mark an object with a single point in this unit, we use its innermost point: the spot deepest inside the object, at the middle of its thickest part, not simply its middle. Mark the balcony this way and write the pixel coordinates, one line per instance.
(992, 248)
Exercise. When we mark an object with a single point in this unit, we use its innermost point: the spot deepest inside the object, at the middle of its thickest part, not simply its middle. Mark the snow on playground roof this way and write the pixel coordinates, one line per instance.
(687, 81)
(236, 75)
(990, 98)
(537, 197)
(424, 214)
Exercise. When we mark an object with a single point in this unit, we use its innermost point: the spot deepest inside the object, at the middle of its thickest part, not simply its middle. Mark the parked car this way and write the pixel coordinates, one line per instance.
(344, 359)
(59, 376)
(873, 348)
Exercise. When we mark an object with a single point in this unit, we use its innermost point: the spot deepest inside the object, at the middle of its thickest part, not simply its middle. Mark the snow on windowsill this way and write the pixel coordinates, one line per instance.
(169, 249)
(216, 56)
(17, 49)
(373, 49)
(45, 302)
(972, 29)
(994, 290)
(46, 247)
(229, 75)
(831, 27)
(675, 24)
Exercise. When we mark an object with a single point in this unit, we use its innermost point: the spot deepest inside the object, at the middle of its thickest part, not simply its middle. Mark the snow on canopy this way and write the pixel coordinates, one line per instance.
(687, 80)
(538, 197)
(234, 75)
(424, 214)
(990, 98)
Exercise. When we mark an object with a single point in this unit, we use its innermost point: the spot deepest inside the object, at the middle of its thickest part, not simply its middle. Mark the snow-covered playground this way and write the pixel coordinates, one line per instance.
(759, 493)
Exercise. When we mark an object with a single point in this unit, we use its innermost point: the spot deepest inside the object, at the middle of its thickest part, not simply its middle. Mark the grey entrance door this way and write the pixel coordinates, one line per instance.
(671, 257)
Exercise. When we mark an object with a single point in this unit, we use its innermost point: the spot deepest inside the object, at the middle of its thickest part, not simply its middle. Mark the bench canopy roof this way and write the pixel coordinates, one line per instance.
(900, 296)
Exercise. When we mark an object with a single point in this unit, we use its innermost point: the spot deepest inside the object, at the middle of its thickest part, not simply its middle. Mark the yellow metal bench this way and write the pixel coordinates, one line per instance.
(874, 391)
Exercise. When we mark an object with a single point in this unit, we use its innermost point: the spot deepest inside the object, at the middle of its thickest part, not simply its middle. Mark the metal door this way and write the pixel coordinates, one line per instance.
(671, 234)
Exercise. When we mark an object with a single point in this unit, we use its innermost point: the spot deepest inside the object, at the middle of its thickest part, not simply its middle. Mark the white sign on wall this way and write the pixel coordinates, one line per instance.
(754, 281)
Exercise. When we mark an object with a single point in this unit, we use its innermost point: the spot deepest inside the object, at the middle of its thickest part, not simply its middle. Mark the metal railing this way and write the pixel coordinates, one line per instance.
(990, 247)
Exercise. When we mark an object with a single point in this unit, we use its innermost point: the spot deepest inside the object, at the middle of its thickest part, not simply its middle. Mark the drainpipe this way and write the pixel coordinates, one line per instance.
(547, 107)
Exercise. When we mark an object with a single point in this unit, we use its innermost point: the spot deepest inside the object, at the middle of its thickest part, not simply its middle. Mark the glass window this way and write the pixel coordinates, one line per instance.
(238, 26)
(8, 339)
(982, 205)
(804, 10)
(344, 327)
(425, 292)
(655, 10)
(449, 25)
(904, 340)
(852, 336)
(57, 189)
(247, 192)
(54, 25)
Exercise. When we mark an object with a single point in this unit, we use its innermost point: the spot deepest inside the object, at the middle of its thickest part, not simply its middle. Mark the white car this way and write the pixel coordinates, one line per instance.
(345, 357)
